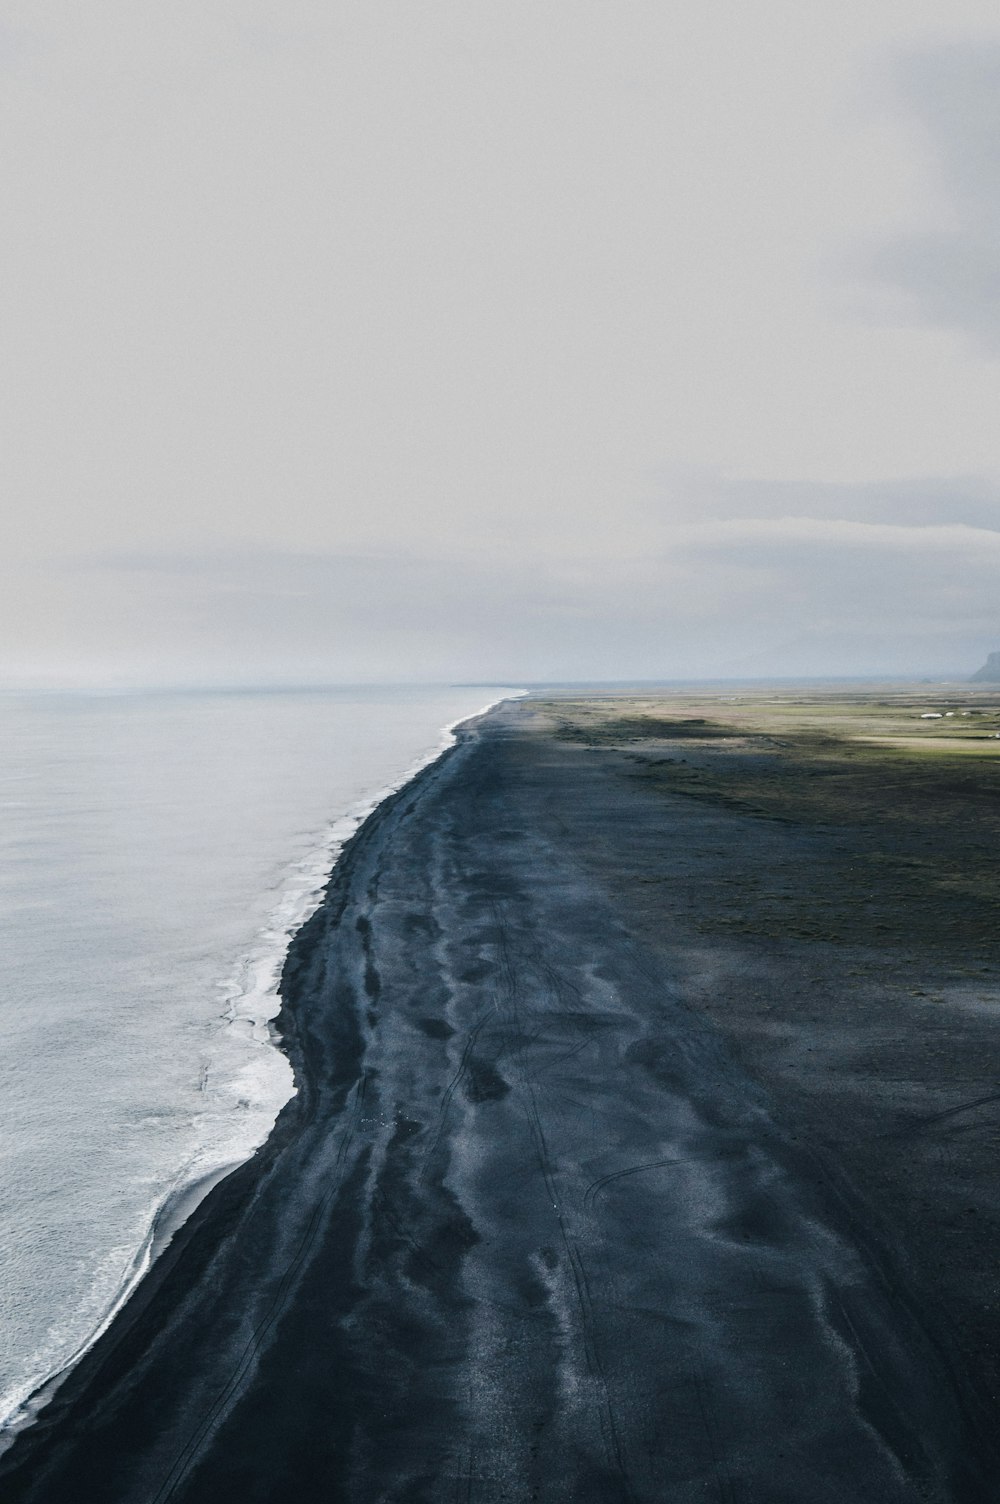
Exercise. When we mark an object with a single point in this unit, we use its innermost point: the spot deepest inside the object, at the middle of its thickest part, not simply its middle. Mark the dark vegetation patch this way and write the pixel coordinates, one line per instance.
(613, 730)
(826, 780)
(903, 839)
(913, 854)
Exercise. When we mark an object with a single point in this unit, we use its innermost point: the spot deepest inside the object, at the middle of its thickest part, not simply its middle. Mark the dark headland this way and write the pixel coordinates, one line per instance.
(990, 671)
(645, 1146)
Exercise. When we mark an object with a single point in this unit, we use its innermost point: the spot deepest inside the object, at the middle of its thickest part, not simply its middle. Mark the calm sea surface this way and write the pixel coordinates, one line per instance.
(156, 851)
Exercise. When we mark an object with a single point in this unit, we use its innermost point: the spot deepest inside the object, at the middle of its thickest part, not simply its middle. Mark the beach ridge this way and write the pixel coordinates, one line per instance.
(529, 1227)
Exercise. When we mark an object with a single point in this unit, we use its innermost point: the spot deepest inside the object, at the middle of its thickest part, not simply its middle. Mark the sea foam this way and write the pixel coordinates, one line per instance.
(105, 789)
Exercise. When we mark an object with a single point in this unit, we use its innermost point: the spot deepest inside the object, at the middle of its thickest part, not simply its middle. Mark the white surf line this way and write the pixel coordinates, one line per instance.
(186, 1192)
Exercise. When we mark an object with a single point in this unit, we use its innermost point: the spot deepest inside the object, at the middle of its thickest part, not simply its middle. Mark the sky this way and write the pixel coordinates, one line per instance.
(498, 340)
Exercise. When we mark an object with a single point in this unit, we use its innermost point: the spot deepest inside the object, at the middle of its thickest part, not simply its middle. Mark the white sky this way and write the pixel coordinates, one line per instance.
(504, 340)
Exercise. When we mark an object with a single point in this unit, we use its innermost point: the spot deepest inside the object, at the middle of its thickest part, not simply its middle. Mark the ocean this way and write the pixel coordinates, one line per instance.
(157, 850)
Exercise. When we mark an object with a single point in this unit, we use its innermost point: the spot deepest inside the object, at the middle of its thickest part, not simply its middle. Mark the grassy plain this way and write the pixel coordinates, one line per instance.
(909, 805)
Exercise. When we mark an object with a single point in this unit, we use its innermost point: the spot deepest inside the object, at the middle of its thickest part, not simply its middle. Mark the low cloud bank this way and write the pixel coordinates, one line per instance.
(732, 579)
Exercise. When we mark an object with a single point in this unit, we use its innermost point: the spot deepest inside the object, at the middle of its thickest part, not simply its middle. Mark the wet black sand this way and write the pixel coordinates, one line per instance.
(554, 1215)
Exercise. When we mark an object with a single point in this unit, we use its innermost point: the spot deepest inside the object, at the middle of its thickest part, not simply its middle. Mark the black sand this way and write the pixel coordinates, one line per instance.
(559, 1211)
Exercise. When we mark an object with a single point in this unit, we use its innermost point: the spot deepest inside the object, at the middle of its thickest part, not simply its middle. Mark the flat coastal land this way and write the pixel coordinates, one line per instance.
(645, 1144)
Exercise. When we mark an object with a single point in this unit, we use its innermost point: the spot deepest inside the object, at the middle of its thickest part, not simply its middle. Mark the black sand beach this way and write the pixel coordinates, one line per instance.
(578, 1200)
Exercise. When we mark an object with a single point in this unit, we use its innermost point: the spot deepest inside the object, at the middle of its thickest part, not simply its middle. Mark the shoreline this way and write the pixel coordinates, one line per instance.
(475, 941)
(261, 970)
(197, 1233)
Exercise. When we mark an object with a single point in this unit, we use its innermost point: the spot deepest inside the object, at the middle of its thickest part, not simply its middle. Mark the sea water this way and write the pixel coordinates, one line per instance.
(157, 850)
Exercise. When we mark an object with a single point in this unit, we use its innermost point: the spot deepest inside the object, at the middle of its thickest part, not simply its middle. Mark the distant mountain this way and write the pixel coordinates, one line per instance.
(990, 671)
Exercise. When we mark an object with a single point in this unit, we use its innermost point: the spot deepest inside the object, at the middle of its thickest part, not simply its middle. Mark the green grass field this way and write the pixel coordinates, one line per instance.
(908, 808)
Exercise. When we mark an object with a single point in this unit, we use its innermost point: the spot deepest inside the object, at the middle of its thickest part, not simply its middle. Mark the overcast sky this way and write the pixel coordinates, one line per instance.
(498, 339)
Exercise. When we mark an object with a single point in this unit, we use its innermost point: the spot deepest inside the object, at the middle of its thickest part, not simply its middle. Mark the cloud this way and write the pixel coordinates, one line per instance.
(710, 596)
(915, 501)
(395, 341)
(950, 276)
